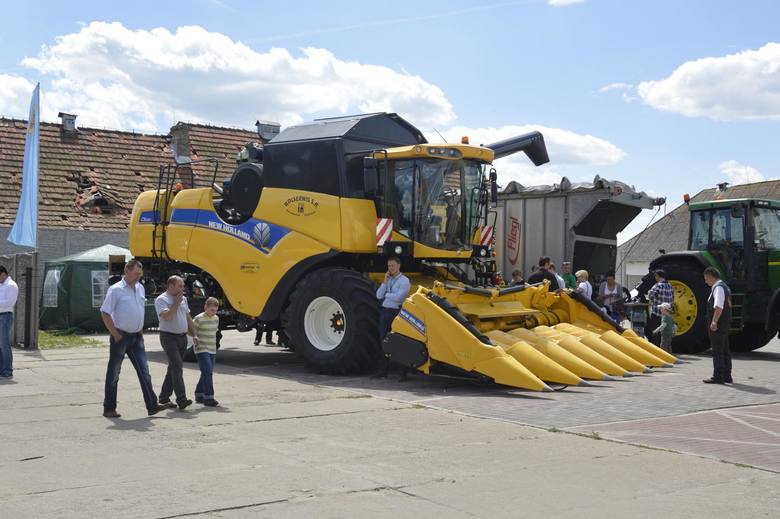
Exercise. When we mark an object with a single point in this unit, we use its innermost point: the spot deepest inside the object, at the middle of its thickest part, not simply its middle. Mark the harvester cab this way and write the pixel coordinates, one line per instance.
(296, 237)
(741, 238)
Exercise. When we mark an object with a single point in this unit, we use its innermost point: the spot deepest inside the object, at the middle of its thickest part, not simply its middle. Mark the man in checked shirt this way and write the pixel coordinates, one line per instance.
(661, 292)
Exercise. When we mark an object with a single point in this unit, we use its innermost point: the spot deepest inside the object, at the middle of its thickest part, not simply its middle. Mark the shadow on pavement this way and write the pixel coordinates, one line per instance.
(769, 356)
(757, 390)
(136, 424)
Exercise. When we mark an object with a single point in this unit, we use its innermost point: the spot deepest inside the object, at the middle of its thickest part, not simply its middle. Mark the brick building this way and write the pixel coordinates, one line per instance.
(89, 178)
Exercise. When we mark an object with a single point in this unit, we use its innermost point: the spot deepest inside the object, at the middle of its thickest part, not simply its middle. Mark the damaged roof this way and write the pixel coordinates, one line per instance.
(90, 178)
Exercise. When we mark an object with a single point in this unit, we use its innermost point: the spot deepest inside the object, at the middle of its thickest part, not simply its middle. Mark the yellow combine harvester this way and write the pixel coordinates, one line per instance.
(297, 235)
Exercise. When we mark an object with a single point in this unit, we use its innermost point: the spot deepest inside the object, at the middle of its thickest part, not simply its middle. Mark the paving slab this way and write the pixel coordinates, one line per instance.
(287, 442)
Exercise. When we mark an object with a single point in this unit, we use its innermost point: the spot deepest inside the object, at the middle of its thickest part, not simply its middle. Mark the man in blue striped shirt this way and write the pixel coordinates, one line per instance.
(392, 292)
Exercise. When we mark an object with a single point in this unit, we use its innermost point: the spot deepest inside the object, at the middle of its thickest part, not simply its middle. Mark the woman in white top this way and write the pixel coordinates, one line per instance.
(583, 287)
(610, 293)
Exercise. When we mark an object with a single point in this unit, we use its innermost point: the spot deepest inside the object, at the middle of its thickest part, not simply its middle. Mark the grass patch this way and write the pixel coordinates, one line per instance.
(50, 341)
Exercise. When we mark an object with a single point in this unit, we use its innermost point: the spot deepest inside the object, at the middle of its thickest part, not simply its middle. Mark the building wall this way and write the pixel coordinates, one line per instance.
(55, 243)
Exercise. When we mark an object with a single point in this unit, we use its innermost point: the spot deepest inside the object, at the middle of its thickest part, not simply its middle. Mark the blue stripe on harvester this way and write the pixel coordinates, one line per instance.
(260, 234)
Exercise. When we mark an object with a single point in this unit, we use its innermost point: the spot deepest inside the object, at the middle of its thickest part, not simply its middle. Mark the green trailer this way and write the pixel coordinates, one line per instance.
(741, 238)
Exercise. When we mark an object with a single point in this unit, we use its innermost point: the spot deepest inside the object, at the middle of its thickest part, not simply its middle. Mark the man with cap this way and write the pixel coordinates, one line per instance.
(667, 329)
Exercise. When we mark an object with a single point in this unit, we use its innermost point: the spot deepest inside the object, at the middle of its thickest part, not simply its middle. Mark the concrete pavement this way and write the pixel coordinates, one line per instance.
(290, 443)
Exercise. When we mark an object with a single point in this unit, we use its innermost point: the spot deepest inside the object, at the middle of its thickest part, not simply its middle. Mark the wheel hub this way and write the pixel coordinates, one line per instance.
(324, 323)
(685, 306)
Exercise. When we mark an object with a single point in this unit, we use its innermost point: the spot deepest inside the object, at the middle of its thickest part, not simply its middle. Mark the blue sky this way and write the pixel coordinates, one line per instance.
(583, 71)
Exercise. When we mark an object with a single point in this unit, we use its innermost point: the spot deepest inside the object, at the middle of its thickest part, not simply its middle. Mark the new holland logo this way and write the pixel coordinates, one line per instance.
(301, 205)
(414, 321)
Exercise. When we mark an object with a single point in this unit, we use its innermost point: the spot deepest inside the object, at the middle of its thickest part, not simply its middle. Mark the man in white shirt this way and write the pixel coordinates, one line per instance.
(123, 314)
(8, 295)
(718, 324)
(175, 322)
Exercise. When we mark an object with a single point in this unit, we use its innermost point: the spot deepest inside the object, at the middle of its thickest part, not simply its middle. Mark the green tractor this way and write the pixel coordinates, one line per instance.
(741, 238)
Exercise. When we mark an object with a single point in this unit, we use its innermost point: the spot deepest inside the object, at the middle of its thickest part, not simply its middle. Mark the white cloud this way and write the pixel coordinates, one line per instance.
(15, 95)
(562, 3)
(740, 173)
(116, 77)
(742, 86)
(571, 154)
(627, 90)
(615, 86)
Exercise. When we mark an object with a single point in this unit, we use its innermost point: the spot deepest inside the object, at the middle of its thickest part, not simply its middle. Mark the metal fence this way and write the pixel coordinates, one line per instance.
(25, 271)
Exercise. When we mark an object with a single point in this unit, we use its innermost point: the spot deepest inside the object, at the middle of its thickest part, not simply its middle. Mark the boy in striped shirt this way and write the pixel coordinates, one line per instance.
(206, 325)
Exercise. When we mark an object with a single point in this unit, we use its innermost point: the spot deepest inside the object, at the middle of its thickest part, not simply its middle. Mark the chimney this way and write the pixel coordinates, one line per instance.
(180, 143)
(267, 130)
(68, 122)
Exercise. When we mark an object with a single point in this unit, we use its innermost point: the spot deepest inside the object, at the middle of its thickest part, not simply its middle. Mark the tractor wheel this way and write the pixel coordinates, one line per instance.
(690, 306)
(752, 337)
(332, 321)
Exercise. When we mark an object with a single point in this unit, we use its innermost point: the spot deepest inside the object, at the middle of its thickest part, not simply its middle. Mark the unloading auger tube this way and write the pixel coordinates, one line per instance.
(525, 337)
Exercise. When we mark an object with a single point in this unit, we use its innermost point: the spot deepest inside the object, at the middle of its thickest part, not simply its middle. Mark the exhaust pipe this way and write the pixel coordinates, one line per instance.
(531, 143)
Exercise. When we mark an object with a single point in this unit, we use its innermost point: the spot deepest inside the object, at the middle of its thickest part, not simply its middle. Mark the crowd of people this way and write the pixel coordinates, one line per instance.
(124, 305)
(123, 315)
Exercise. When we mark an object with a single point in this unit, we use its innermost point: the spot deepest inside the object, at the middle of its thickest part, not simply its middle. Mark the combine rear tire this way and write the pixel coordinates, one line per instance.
(690, 302)
(332, 321)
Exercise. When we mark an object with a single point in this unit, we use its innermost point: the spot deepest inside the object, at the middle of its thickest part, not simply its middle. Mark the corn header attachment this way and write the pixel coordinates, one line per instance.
(524, 337)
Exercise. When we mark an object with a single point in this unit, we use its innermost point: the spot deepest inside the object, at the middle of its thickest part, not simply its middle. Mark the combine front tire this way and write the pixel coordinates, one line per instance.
(332, 321)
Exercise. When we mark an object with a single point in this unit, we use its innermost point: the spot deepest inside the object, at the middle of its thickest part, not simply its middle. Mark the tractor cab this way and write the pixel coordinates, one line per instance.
(720, 231)
(739, 235)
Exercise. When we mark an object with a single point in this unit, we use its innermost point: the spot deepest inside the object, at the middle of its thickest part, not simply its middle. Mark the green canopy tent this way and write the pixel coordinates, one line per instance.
(74, 287)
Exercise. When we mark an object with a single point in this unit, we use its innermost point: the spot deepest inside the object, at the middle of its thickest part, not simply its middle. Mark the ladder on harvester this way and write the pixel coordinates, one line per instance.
(167, 187)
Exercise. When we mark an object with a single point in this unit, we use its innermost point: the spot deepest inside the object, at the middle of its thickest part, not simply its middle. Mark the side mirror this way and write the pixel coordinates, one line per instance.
(493, 187)
(370, 175)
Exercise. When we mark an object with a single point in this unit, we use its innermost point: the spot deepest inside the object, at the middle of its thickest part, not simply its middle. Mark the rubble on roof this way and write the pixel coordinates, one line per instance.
(90, 178)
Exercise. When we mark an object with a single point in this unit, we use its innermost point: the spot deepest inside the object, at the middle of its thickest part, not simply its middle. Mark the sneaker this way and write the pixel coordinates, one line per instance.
(199, 399)
(713, 381)
(210, 402)
(184, 404)
(111, 414)
(729, 380)
(155, 410)
(167, 404)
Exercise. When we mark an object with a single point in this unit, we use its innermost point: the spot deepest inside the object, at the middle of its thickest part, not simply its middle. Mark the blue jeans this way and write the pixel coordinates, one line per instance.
(131, 344)
(6, 347)
(205, 387)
